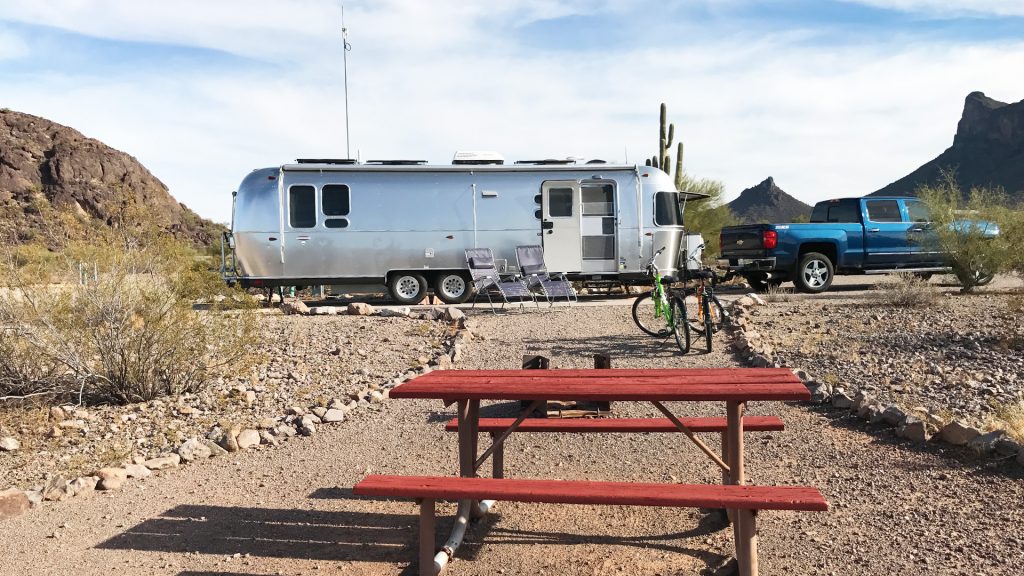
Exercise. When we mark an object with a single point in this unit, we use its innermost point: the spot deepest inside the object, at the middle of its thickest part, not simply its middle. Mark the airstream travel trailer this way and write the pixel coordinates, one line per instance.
(405, 225)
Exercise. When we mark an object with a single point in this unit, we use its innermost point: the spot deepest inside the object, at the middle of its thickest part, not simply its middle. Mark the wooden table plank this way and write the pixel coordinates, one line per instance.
(611, 390)
(588, 492)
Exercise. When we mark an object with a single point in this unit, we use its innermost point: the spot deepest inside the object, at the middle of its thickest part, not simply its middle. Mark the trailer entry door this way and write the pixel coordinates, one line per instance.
(560, 226)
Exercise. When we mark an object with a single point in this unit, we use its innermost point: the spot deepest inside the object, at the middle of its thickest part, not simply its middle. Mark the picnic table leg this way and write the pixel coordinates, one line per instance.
(745, 540)
(725, 515)
(497, 459)
(427, 538)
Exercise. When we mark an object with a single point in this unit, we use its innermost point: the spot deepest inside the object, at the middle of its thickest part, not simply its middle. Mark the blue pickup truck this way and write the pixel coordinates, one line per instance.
(872, 235)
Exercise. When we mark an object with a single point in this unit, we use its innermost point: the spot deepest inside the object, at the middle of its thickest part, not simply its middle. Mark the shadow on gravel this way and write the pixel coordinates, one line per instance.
(631, 346)
(276, 533)
(950, 455)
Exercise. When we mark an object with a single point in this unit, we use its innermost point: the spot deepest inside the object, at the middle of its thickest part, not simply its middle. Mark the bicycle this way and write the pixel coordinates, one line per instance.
(704, 311)
(665, 313)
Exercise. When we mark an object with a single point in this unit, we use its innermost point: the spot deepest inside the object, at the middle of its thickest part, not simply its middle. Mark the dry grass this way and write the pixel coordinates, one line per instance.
(1011, 419)
(778, 294)
(903, 290)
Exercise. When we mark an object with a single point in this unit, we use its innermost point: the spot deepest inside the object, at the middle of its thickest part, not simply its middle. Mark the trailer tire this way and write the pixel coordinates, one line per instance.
(452, 287)
(407, 288)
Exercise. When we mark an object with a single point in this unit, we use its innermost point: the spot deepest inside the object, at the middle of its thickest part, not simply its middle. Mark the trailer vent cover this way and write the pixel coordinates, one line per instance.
(326, 161)
(397, 162)
(471, 158)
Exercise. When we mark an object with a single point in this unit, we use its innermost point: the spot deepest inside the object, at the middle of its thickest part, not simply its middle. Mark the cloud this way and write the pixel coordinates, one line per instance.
(426, 79)
(951, 8)
(12, 47)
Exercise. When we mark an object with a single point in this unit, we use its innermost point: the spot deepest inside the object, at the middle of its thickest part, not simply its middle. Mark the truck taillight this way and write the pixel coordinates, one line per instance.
(769, 239)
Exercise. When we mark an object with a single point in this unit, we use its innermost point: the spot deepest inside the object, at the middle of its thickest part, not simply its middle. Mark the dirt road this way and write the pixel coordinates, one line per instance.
(897, 508)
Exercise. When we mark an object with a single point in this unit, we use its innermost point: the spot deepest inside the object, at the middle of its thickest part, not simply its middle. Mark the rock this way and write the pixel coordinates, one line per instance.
(323, 311)
(267, 438)
(860, 400)
(111, 478)
(360, 309)
(215, 449)
(13, 502)
(229, 440)
(83, 486)
(284, 430)
(35, 498)
(319, 412)
(294, 307)
(163, 462)
(336, 403)
(453, 314)
(894, 415)
(376, 396)
(56, 489)
(958, 433)
(457, 352)
(297, 411)
(756, 298)
(820, 392)
(1007, 447)
(802, 375)
(249, 397)
(248, 438)
(746, 301)
(913, 429)
(986, 443)
(874, 413)
(402, 312)
(443, 362)
(333, 415)
(54, 432)
(137, 471)
(57, 414)
(9, 444)
(841, 401)
(193, 449)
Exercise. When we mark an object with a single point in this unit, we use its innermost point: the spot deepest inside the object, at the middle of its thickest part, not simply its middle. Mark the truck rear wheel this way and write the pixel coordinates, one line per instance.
(407, 288)
(813, 273)
(452, 287)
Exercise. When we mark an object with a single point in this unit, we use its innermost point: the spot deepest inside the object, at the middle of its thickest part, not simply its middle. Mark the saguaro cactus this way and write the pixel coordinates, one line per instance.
(666, 134)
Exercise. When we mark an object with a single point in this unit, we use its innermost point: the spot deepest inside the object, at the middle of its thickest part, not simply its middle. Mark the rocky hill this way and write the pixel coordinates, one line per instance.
(47, 169)
(766, 202)
(988, 150)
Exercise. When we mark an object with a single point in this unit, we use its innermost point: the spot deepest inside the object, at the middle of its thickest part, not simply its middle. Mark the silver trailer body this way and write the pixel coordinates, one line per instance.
(365, 224)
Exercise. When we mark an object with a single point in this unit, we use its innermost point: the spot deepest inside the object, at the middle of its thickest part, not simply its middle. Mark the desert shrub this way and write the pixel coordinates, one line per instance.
(964, 226)
(776, 293)
(1010, 418)
(128, 334)
(904, 290)
(706, 216)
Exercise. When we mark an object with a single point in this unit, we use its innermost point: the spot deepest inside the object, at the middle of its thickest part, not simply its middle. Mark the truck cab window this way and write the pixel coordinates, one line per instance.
(917, 211)
(302, 206)
(843, 211)
(883, 211)
(666, 209)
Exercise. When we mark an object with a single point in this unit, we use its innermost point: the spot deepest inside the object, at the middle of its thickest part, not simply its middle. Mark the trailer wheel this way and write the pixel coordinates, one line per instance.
(407, 288)
(452, 287)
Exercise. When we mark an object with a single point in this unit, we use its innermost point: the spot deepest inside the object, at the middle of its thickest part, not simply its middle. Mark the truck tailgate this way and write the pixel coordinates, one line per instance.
(743, 241)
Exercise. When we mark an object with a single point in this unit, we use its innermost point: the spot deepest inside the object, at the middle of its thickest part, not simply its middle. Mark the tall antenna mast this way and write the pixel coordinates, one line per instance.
(344, 57)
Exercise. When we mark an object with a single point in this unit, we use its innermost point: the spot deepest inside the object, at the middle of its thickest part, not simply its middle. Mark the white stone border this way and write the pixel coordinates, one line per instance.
(916, 424)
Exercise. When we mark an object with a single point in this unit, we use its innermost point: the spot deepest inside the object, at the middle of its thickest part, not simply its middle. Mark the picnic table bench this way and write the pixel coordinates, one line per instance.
(733, 386)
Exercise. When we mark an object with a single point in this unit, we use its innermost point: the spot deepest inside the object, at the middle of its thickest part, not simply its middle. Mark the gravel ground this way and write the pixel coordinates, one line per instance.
(301, 362)
(897, 507)
(961, 356)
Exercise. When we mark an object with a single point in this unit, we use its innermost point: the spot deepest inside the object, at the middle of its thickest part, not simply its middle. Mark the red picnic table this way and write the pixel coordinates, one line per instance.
(733, 386)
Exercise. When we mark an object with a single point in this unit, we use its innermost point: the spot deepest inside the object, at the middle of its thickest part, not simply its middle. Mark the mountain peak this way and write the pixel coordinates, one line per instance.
(987, 150)
(766, 202)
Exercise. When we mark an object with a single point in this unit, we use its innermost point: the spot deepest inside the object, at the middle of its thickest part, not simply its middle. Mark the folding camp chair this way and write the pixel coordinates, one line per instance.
(535, 272)
(487, 281)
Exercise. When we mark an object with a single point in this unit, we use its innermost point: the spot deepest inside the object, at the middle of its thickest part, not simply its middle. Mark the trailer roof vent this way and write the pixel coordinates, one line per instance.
(326, 161)
(477, 158)
(548, 162)
(397, 162)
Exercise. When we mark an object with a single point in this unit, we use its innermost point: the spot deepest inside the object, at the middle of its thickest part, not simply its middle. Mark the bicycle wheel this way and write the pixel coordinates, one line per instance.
(694, 311)
(653, 322)
(709, 330)
(680, 324)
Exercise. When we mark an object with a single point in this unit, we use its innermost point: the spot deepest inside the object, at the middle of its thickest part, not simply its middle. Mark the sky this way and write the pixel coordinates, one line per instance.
(830, 97)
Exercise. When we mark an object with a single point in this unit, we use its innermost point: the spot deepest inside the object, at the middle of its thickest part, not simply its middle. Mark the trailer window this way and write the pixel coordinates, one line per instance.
(598, 199)
(560, 202)
(335, 199)
(884, 211)
(302, 206)
(666, 209)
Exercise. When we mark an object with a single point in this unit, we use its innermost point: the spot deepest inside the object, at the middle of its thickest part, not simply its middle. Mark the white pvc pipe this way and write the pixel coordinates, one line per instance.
(442, 558)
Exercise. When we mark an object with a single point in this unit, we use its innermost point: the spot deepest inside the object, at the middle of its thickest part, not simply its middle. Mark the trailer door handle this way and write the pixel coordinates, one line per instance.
(272, 239)
(546, 225)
